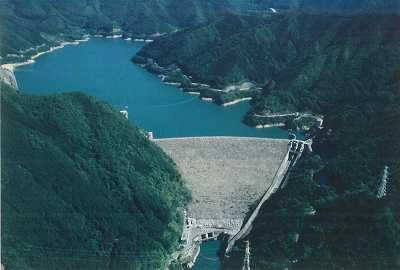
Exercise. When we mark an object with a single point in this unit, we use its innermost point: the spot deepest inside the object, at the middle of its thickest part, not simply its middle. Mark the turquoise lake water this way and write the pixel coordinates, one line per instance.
(208, 257)
(102, 68)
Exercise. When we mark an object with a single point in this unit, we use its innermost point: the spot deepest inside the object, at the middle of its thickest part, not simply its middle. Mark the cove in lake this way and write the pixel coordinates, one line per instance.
(102, 68)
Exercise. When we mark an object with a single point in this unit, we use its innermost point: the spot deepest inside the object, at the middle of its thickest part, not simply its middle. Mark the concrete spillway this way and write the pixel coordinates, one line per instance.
(226, 175)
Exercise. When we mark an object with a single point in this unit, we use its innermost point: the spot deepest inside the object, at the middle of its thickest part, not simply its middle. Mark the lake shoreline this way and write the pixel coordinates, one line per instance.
(230, 96)
(32, 59)
(12, 66)
(173, 75)
(196, 88)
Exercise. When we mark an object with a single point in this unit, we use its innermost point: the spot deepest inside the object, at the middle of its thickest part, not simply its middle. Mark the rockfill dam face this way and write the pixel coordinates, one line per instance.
(226, 175)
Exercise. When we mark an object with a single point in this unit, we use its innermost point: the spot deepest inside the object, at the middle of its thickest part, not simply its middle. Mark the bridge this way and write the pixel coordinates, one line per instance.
(227, 176)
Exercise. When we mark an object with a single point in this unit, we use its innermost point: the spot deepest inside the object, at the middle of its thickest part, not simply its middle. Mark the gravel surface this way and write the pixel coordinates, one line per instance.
(225, 174)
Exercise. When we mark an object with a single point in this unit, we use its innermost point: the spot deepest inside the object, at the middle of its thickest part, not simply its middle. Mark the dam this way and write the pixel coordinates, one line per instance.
(227, 176)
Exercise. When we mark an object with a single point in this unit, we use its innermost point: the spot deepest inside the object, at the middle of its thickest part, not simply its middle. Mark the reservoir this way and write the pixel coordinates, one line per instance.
(103, 68)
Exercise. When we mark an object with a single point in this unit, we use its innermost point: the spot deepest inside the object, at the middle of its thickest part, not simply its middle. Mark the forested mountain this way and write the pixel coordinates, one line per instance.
(303, 59)
(345, 68)
(331, 214)
(349, 6)
(29, 23)
(325, 6)
(82, 188)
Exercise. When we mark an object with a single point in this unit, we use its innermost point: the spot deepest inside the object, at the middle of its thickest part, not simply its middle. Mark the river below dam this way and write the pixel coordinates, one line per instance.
(103, 68)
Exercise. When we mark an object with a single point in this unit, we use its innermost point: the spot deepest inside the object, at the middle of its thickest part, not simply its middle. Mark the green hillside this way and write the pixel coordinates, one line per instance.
(319, 6)
(351, 227)
(345, 68)
(300, 61)
(82, 188)
(349, 6)
(31, 23)
(234, 48)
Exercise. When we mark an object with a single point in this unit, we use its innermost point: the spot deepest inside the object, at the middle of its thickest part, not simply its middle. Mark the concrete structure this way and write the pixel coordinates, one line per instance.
(227, 175)
(246, 260)
(382, 189)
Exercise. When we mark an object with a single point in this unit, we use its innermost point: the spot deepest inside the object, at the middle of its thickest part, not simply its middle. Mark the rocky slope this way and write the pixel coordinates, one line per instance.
(8, 77)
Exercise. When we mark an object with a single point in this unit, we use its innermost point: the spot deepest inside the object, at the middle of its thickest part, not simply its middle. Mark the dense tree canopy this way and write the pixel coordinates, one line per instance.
(358, 90)
(30, 23)
(345, 68)
(82, 188)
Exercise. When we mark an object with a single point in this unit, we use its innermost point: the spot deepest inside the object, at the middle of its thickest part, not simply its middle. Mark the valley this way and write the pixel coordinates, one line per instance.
(221, 86)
